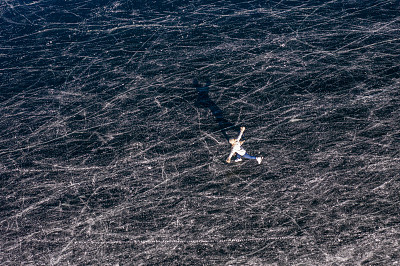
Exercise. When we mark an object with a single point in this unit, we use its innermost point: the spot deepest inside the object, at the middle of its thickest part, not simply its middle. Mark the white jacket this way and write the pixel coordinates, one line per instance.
(237, 148)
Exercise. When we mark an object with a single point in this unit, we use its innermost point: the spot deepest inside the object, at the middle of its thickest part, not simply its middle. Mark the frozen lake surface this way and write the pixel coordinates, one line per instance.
(113, 149)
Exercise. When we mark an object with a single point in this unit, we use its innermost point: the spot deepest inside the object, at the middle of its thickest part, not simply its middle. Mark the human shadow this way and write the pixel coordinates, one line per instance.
(204, 101)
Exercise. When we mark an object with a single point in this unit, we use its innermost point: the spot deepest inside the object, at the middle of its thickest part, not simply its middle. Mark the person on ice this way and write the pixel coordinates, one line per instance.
(237, 149)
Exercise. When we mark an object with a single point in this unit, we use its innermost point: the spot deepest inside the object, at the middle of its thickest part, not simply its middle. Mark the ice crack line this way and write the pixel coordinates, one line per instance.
(199, 241)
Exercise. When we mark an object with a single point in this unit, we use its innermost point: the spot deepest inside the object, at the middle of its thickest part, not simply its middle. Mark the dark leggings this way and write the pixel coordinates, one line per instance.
(247, 156)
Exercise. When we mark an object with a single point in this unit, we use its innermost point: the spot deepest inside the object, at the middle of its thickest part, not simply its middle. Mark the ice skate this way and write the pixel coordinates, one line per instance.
(259, 159)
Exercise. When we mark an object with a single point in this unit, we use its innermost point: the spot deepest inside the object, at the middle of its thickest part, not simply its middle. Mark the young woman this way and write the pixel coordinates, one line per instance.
(237, 149)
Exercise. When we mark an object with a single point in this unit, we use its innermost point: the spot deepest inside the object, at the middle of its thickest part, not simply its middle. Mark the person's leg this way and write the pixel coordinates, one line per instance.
(248, 156)
(238, 158)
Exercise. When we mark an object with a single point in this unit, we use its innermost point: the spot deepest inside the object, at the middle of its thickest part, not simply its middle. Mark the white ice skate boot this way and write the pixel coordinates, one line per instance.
(259, 159)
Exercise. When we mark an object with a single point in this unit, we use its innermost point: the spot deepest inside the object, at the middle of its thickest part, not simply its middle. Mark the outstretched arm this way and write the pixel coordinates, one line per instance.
(230, 156)
(241, 133)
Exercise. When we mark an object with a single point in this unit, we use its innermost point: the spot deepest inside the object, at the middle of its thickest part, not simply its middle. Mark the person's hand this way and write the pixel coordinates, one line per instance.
(242, 129)
(228, 161)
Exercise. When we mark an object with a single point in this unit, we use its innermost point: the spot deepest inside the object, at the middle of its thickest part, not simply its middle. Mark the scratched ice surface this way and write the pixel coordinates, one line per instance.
(114, 117)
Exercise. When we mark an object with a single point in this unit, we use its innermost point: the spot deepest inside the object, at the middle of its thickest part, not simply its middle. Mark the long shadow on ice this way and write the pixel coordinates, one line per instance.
(204, 101)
